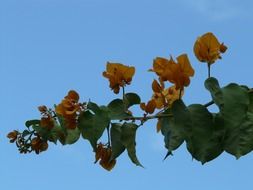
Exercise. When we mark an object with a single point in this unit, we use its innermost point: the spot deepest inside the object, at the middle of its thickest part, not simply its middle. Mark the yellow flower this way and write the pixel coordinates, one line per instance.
(178, 73)
(103, 154)
(207, 48)
(68, 108)
(119, 75)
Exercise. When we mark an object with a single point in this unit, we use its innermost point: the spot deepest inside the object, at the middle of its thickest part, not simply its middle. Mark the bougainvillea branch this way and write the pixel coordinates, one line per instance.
(206, 134)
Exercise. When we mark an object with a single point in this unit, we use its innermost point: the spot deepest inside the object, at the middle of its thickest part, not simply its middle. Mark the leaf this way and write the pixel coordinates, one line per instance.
(32, 122)
(181, 117)
(25, 133)
(236, 102)
(213, 86)
(72, 136)
(117, 147)
(206, 141)
(173, 137)
(240, 140)
(128, 140)
(92, 125)
(131, 99)
(117, 110)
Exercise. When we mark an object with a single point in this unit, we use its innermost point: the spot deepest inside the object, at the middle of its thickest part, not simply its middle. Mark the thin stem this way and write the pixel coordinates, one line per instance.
(209, 69)
(158, 115)
(180, 93)
(149, 117)
(108, 136)
(123, 94)
(209, 103)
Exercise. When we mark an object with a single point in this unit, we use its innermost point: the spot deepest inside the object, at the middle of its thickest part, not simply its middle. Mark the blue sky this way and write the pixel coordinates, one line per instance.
(48, 47)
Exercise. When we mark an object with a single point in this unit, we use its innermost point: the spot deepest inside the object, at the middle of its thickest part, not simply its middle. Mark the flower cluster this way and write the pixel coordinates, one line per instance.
(178, 73)
(162, 97)
(69, 108)
(103, 153)
(38, 144)
(47, 121)
(118, 75)
(26, 143)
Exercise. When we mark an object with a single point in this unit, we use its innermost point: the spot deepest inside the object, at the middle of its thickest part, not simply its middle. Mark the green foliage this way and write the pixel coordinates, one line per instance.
(93, 122)
(123, 137)
(131, 99)
(117, 110)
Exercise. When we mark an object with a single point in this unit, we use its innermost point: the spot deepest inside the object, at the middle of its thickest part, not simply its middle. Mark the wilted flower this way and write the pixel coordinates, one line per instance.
(68, 108)
(119, 75)
(207, 48)
(103, 153)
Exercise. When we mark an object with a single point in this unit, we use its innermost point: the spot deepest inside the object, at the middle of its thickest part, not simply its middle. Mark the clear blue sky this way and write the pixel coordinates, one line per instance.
(48, 47)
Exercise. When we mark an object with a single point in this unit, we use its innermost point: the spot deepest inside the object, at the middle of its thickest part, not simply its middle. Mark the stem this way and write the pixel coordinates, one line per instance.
(180, 94)
(209, 69)
(209, 103)
(149, 117)
(123, 95)
(159, 115)
(108, 136)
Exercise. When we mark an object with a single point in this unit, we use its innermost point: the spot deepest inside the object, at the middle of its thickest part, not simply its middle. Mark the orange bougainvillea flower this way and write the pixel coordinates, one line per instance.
(47, 121)
(207, 48)
(68, 108)
(13, 136)
(103, 153)
(38, 145)
(149, 107)
(161, 98)
(166, 97)
(119, 75)
(178, 73)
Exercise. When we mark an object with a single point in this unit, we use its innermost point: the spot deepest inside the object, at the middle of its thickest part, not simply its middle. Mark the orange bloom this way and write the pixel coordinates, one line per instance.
(178, 73)
(38, 145)
(47, 120)
(166, 97)
(68, 108)
(119, 75)
(161, 98)
(207, 48)
(149, 107)
(104, 155)
(13, 136)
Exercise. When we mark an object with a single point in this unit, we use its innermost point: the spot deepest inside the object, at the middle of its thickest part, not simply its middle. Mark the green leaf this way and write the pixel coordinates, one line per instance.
(173, 137)
(117, 110)
(57, 133)
(92, 125)
(117, 147)
(72, 136)
(131, 99)
(32, 122)
(128, 140)
(213, 86)
(236, 102)
(25, 133)
(205, 142)
(240, 141)
(182, 118)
